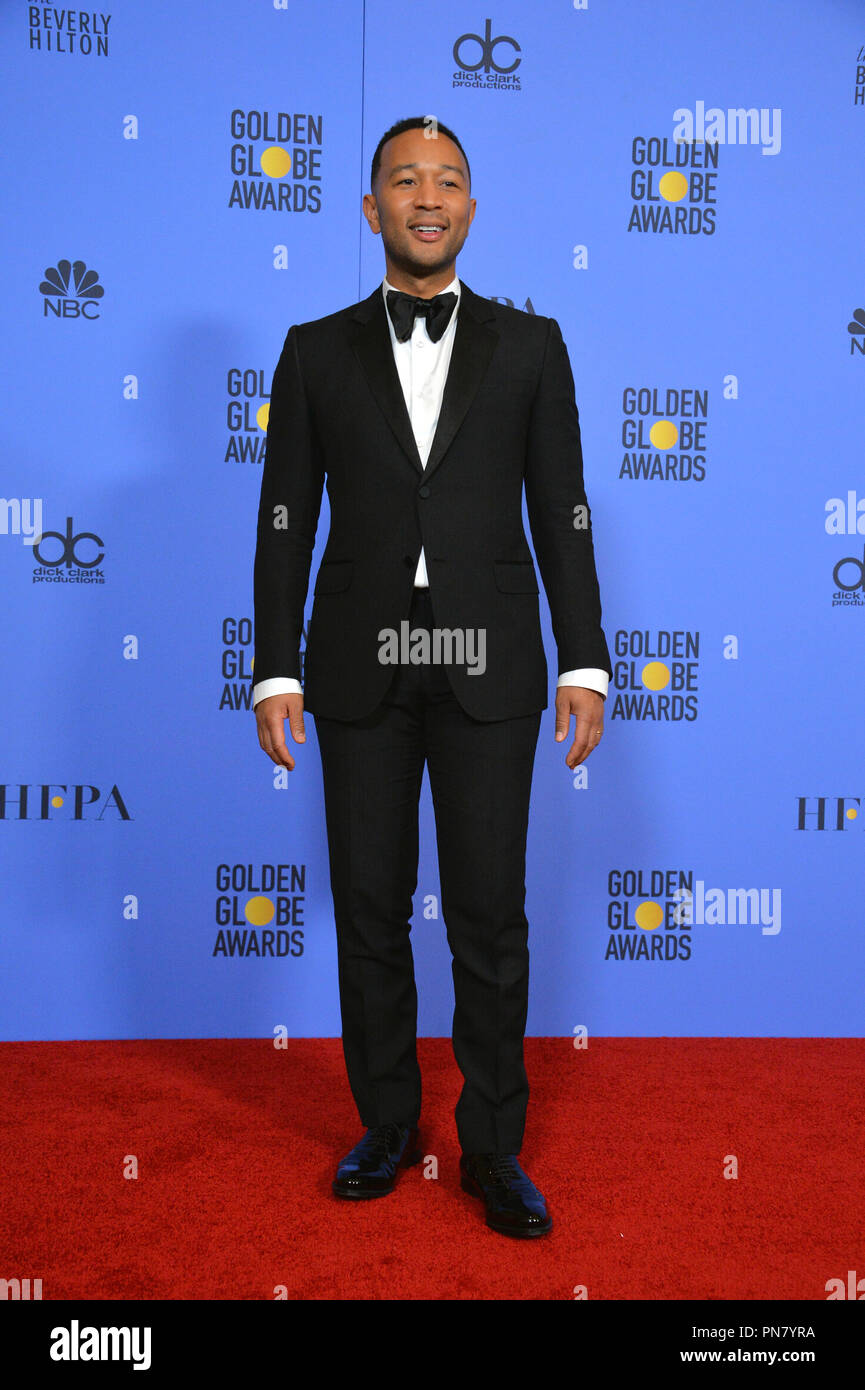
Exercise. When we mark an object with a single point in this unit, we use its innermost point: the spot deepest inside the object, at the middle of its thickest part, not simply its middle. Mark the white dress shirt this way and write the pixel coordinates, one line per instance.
(423, 367)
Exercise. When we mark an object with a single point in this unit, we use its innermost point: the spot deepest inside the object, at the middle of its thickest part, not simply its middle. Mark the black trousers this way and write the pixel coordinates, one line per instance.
(480, 779)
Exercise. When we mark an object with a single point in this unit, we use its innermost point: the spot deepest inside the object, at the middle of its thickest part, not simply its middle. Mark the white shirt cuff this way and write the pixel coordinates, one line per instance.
(277, 685)
(588, 676)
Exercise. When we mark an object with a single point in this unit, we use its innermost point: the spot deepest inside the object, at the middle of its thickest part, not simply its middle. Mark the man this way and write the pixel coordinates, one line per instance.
(428, 408)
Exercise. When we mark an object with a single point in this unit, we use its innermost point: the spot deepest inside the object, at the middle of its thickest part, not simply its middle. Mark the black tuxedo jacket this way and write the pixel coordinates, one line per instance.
(508, 420)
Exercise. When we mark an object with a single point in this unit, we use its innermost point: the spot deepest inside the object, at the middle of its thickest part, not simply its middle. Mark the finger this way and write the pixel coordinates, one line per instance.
(563, 719)
(275, 745)
(586, 739)
(577, 753)
(295, 723)
(282, 757)
(590, 747)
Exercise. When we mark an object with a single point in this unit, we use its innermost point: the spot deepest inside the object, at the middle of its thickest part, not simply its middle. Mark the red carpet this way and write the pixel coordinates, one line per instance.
(236, 1143)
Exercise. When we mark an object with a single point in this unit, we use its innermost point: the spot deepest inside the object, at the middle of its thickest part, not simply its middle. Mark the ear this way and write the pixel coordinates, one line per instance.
(370, 211)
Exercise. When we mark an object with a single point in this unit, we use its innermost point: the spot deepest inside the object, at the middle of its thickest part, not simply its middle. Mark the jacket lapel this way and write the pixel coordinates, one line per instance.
(370, 339)
(474, 341)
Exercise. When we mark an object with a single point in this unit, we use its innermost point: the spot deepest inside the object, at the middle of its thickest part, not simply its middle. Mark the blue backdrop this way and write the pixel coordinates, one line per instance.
(182, 184)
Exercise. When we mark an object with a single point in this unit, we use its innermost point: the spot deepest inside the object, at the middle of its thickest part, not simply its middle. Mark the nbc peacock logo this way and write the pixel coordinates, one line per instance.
(71, 291)
(856, 329)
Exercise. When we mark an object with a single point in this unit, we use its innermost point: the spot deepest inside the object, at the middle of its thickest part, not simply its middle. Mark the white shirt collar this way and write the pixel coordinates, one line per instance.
(452, 288)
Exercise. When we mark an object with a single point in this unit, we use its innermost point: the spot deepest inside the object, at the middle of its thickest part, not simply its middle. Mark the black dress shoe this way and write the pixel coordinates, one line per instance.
(514, 1205)
(370, 1170)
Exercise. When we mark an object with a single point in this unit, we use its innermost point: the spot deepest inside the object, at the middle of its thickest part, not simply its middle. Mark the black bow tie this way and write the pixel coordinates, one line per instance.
(403, 309)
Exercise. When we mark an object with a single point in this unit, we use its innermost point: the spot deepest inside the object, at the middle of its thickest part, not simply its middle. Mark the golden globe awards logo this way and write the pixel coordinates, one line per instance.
(70, 291)
(247, 414)
(645, 914)
(664, 433)
(487, 60)
(673, 186)
(56, 30)
(656, 675)
(259, 910)
(237, 662)
(275, 161)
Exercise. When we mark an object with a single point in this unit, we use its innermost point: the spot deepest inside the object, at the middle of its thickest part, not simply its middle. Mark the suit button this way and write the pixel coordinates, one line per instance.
(423, 491)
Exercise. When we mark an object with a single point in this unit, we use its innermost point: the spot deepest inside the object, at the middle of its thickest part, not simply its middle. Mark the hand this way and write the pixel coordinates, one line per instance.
(588, 707)
(270, 717)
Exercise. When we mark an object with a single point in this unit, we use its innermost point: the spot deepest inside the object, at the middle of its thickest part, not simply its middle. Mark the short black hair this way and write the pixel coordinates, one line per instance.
(415, 123)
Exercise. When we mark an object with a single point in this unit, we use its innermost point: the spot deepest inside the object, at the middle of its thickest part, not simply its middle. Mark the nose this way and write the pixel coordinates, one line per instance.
(428, 194)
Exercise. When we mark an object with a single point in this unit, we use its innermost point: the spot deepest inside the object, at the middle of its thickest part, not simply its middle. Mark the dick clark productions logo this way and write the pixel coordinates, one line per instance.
(70, 557)
(479, 65)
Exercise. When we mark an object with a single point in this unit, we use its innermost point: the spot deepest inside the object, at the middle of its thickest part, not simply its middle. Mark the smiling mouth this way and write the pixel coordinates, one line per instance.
(427, 231)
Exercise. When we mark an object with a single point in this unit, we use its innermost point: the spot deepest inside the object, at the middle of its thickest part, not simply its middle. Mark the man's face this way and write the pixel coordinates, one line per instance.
(422, 183)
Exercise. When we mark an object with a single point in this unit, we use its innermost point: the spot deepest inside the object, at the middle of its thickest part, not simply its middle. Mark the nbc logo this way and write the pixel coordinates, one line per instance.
(64, 302)
(856, 329)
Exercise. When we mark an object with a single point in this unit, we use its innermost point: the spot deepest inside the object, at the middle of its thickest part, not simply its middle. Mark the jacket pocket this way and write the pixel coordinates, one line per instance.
(333, 576)
(516, 577)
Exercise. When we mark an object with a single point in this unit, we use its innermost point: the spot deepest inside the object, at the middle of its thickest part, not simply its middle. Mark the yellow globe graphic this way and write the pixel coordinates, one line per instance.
(57, 801)
(649, 916)
(275, 162)
(655, 675)
(673, 186)
(259, 911)
(262, 415)
(852, 813)
(664, 434)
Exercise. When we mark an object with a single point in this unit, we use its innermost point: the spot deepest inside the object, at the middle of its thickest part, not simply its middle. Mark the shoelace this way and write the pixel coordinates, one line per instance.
(502, 1168)
(383, 1139)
